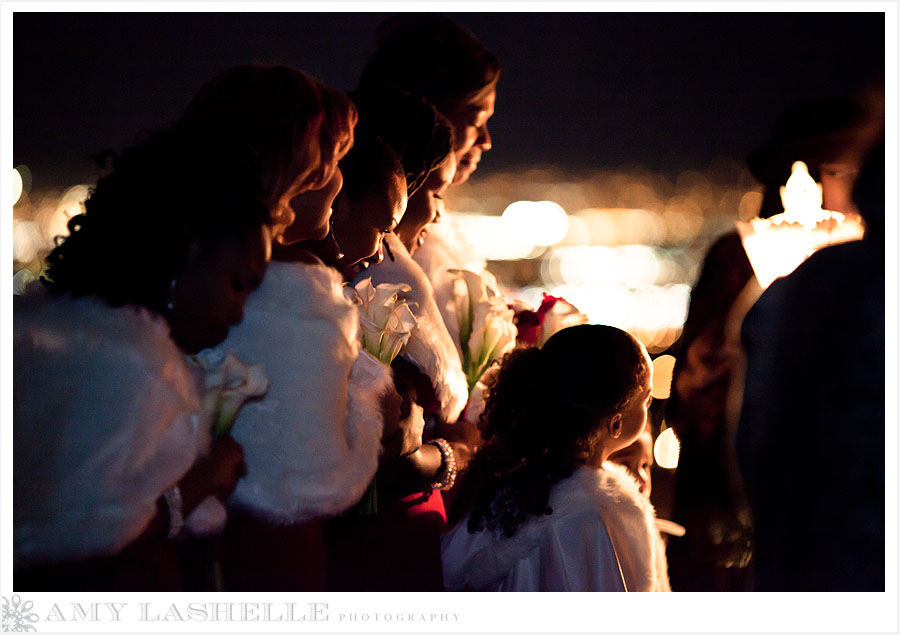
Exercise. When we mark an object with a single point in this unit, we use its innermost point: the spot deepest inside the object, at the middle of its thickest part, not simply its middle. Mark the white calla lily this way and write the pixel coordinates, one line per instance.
(385, 319)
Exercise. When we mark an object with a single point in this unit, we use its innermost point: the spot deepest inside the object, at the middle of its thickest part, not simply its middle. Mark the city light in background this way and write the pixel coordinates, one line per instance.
(624, 246)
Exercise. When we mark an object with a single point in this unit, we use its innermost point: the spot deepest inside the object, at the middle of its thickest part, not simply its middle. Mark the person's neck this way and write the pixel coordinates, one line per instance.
(297, 252)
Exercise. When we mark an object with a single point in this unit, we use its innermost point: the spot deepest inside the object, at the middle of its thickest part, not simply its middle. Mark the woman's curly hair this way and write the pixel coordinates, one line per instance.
(217, 173)
(542, 415)
(139, 220)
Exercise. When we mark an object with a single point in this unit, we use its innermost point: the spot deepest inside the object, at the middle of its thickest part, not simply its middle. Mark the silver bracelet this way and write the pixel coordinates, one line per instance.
(176, 513)
(448, 465)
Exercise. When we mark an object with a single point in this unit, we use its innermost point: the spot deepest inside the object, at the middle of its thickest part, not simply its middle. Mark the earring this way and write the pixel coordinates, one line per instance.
(339, 254)
(170, 296)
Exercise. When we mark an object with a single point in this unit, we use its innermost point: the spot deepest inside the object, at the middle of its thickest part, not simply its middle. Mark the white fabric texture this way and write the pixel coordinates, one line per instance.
(601, 536)
(446, 247)
(430, 346)
(311, 444)
(104, 421)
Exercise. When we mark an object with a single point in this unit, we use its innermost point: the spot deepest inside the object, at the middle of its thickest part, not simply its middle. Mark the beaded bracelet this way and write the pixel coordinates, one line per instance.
(448, 465)
(176, 514)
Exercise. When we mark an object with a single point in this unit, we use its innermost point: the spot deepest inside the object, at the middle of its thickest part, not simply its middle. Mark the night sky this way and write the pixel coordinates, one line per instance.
(669, 91)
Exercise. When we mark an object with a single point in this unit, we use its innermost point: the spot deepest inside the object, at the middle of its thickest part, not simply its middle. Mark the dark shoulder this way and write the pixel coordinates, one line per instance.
(295, 253)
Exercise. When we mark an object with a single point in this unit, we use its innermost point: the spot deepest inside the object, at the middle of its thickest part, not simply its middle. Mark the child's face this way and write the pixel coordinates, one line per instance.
(635, 413)
(638, 459)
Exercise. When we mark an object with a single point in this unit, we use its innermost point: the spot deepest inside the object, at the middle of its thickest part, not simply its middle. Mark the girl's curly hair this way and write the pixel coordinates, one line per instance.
(542, 415)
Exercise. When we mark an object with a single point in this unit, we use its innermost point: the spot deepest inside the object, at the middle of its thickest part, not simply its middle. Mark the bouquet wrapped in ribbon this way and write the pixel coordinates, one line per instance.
(385, 324)
(228, 383)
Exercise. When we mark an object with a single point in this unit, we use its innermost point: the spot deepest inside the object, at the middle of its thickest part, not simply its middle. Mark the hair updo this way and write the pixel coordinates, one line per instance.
(421, 137)
(431, 56)
(542, 414)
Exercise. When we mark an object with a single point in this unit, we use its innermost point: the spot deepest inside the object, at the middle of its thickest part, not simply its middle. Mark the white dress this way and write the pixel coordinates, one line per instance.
(311, 444)
(104, 420)
(601, 536)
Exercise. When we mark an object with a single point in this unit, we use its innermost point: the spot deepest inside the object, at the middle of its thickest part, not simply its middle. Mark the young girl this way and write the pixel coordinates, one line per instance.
(544, 509)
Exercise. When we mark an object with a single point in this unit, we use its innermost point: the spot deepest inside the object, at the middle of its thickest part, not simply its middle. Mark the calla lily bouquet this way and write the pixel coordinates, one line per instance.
(385, 324)
(227, 384)
(486, 327)
(385, 319)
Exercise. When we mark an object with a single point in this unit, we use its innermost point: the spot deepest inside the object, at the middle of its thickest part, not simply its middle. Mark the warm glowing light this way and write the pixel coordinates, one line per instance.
(777, 245)
(667, 448)
(26, 240)
(17, 186)
(662, 376)
(542, 223)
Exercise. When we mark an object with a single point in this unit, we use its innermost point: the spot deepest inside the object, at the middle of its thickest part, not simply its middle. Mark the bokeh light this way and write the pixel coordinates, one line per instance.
(662, 376)
(540, 223)
(667, 448)
(16, 186)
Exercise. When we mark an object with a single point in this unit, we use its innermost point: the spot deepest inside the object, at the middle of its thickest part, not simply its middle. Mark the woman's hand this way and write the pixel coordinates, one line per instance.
(215, 474)
(403, 425)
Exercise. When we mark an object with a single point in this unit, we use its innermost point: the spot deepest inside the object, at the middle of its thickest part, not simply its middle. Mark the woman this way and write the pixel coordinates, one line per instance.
(370, 205)
(435, 58)
(107, 468)
(544, 510)
(312, 443)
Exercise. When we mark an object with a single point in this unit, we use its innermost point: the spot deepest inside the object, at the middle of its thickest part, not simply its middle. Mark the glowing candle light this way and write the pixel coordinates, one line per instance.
(777, 245)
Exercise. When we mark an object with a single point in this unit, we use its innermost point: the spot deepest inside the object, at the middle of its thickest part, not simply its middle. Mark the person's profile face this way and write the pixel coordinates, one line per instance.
(637, 458)
(209, 296)
(312, 212)
(837, 180)
(471, 136)
(426, 206)
(636, 412)
(360, 225)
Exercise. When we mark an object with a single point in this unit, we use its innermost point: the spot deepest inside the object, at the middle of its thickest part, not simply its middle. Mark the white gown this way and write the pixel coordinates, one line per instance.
(105, 418)
(601, 536)
(311, 444)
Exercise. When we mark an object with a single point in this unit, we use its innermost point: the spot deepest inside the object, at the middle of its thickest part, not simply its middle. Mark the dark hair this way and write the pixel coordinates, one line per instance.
(271, 119)
(868, 192)
(218, 173)
(420, 136)
(368, 165)
(541, 419)
(337, 132)
(139, 220)
(814, 131)
(431, 56)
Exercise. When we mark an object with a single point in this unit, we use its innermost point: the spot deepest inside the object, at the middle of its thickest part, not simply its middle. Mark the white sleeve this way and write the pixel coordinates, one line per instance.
(311, 444)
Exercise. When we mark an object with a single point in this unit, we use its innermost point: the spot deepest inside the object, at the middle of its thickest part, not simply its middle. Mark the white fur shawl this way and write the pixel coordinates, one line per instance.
(311, 444)
(601, 536)
(104, 421)
(430, 347)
